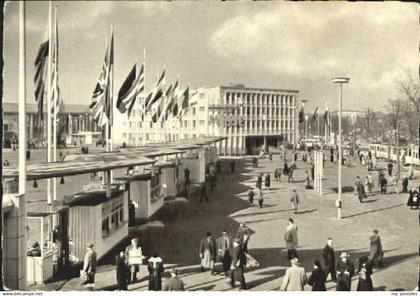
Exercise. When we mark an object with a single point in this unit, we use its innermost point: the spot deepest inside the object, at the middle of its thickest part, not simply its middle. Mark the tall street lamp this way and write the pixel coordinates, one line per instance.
(340, 81)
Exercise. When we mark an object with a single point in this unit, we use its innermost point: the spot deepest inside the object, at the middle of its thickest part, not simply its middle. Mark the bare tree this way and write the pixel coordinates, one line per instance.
(395, 108)
(369, 117)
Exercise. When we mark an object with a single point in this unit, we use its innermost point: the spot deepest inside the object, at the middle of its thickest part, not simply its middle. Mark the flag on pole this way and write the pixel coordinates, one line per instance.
(326, 116)
(41, 67)
(101, 105)
(157, 91)
(315, 114)
(56, 99)
(176, 99)
(127, 92)
(301, 115)
(185, 101)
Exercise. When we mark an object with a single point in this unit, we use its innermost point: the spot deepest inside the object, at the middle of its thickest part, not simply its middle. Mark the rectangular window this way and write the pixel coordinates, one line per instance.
(193, 110)
(202, 109)
(201, 122)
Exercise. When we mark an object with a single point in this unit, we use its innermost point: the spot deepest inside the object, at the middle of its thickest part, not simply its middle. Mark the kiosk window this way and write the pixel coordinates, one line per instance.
(112, 216)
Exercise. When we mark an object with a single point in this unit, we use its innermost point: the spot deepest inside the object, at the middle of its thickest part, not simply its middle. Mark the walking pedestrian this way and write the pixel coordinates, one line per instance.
(361, 192)
(174, 283)
(366, 184)
(345, 271)
(242, 235)
(238, 265)
(260, 198)
(405, 184)
(329, 260)
(356, 184)
(134, 256)
(156, 269)
(203, 192)
(384, 184)
(370, 183)
(295, 200)
(307, 180)
(291, 239)
(267, 181)
(295, 277)
(123, 272)
(317, 278)
(207, 253)
(187, 181)
(277, 174)
(232, 167)
(259, 181)
(390, 166)
(376, 252)
(89, 266)
(365, 272)
(251, 196)
(225, 251)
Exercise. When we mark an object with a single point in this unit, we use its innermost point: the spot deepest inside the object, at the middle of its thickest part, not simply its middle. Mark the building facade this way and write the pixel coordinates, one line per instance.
(76, 118)
(251, 118)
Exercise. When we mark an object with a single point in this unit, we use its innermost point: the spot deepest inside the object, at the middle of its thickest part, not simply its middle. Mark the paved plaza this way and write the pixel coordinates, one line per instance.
(177, 232)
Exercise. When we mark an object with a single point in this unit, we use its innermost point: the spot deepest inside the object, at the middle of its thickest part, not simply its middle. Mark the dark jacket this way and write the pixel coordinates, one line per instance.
(345, 271)
(329, 257)
(205, 244)
(317, 280)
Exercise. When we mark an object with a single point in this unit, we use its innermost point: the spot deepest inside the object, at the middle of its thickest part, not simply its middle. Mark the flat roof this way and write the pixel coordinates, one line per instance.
(239, 87)
(78, 163)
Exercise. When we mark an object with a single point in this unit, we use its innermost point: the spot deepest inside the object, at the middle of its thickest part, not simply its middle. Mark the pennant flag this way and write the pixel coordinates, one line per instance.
(157, 91)
(101, 101)
(169, 102)
(301, 115)
(185, 99)
(140, 87)
(41, 67)
(175, 91)
(315, 114)
(127, 92)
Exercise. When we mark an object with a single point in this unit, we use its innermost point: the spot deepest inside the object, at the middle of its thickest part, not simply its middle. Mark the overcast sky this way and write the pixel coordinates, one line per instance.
(288, 45)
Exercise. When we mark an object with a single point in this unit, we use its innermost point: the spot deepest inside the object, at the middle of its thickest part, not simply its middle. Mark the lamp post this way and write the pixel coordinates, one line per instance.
(340, 81)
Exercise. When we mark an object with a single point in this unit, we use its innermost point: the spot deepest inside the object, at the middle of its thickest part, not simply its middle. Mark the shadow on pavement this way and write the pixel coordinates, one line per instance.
(376, 210)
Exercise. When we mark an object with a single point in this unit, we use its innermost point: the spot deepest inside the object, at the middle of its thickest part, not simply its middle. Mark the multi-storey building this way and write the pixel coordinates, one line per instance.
(249, 117)
(77, 118)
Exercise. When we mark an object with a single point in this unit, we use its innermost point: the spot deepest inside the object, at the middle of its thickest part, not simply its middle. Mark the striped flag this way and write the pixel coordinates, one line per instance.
(101, 101)
(41, 67)
(315, 114)
(301, 115)
(156, 93)
(131, 88)
(55, 90)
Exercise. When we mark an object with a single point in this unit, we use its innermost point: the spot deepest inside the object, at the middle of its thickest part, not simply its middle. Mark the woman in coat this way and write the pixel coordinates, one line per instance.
(155, 268)
(317, 278)
(365, 272)
(295, 277)
(345, 271)
(238, 265)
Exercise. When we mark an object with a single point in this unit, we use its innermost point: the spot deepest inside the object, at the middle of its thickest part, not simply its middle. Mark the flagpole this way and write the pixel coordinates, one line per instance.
(55, 106)
(144, 99)
(49, 197)
(318, 125)
(111, 99)
(22, 99)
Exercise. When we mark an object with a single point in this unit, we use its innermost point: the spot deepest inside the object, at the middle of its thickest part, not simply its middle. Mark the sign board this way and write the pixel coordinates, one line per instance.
(93, 187)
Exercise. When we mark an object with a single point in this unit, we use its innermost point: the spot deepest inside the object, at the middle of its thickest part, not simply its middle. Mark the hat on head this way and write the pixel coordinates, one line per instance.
(375, 231)
(344, 255)
(294, 260)
(89, 245)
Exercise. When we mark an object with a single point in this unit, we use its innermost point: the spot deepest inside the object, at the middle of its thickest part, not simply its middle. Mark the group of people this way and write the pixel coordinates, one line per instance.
(341, 272)
(364, 188)
(231, 252)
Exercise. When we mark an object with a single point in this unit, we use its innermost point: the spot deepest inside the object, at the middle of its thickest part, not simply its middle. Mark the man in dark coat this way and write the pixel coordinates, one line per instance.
(238, 265)
(361, 192)
(225, 251)
(384, 184)
(329, 260)
(203, 192)
(267, 181)
(390, 165)
(123, 272)
(345, 271)
(251, 196)
(405, 185)
(317, 278)
(259, 181)
(156, 269)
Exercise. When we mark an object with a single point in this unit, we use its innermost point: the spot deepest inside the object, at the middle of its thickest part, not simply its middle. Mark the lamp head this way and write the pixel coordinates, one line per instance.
(340, 80)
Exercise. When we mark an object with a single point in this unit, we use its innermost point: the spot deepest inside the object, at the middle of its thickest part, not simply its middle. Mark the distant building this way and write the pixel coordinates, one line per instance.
(77, 118)
(249, 117)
